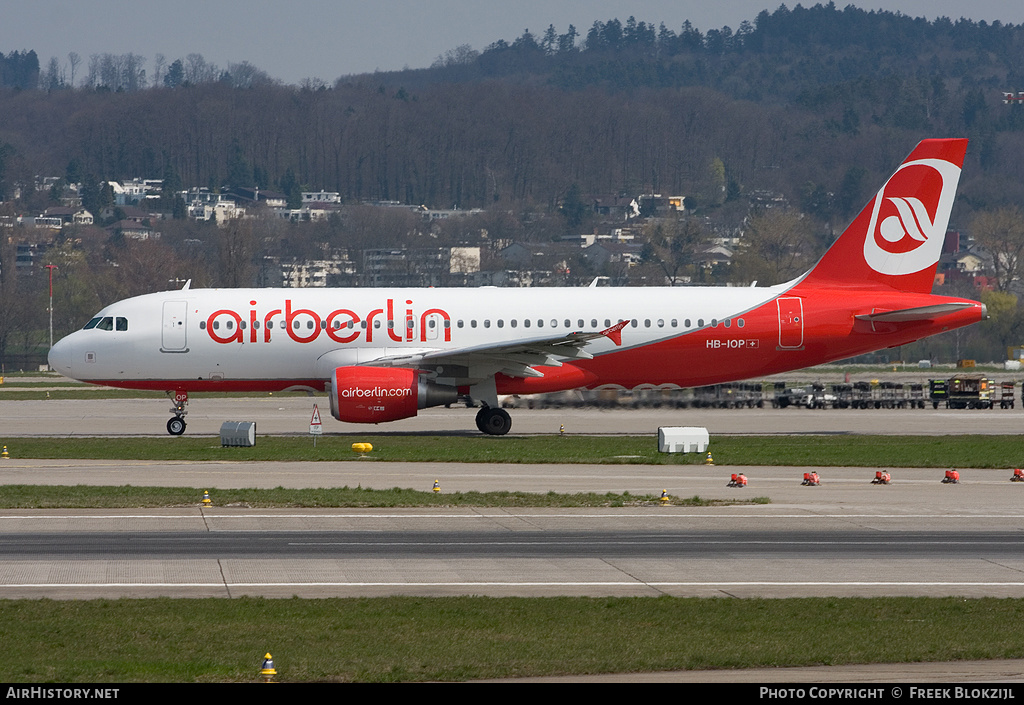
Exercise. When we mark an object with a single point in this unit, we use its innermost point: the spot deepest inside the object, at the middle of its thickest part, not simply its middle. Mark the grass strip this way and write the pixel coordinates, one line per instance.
(963, 451)
(464, 638)
(127, 496)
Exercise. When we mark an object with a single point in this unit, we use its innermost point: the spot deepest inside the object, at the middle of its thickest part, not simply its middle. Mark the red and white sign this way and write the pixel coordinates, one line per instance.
(315, 428)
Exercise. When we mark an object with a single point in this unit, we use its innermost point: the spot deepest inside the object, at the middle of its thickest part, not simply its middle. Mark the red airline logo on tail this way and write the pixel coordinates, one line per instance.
(895, 242)
(906, 232)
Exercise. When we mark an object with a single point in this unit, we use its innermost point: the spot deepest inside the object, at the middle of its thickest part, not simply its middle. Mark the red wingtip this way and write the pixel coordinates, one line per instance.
(615, 332)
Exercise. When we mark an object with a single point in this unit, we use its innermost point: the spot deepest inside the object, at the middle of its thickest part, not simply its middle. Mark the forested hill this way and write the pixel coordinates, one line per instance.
(816, 103)
(778, 55)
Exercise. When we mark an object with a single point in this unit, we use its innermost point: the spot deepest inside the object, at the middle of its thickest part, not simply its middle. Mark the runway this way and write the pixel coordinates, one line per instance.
(846, 537)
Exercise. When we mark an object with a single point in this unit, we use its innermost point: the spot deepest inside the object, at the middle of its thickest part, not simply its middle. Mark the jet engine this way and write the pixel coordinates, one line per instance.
(378, 394)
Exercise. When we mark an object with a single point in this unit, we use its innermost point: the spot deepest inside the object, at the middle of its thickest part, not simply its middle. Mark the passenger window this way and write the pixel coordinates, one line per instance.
(568, 324)
(728, 323)
(487, 323)
(579, 323)
(675, 323)
(513, 323)
(687, 323)
(501, 323)
(661, 323)
(700, 322)
(526, 322)
(739, 322)
(202, 325)
(472, 324)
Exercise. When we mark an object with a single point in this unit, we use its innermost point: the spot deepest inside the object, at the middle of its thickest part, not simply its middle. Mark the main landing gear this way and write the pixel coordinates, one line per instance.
(493, 420)
(176, 424)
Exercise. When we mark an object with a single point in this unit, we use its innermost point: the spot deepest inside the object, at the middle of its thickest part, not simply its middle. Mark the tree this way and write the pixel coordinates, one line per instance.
(1001, 233)
(777, 246)
(673, 245)
(573, 208)
(237, 249)
(74, 61)
(175, 75)
(1006, 320)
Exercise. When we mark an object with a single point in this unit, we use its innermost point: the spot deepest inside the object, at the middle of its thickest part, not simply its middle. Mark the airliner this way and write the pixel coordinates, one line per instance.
(383, 354)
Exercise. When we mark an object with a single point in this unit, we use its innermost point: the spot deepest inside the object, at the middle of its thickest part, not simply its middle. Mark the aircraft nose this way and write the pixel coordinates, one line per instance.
(61, 355)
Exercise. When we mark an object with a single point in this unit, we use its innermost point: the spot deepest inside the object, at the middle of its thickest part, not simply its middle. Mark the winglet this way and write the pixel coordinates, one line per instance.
(615, 332)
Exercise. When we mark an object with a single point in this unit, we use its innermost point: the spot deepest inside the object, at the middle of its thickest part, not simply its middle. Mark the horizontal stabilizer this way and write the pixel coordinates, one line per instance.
(921, 313)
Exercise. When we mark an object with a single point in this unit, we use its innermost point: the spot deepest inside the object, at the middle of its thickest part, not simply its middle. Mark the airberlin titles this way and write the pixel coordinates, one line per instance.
(342, 325)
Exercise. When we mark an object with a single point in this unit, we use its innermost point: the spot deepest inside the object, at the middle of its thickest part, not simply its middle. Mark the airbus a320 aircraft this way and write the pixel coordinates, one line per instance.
(383, 354)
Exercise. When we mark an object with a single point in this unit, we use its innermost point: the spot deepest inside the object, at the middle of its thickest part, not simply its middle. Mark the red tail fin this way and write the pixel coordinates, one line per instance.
(896, 240)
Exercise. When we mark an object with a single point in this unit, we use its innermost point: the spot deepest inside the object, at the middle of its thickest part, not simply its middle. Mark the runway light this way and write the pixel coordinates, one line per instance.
(362, 448)
(709, 460)
(5, 455)
(207, 502)
(437, 486)
(664, 498)
(267, 670)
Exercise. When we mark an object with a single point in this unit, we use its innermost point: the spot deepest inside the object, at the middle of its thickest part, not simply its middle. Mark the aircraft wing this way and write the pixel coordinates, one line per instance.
(515, 358)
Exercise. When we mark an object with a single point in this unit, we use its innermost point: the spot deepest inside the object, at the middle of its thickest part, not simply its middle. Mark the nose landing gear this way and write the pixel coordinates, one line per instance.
(176, 424)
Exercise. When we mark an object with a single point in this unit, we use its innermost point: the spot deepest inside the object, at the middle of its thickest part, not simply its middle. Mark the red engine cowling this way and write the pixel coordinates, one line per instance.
(378, 394)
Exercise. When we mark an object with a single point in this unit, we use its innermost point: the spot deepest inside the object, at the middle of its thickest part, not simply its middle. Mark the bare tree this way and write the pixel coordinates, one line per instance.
(777, 246)
(199, 70)
(1001, 232)
(159, 65)
(74, 61)
(673, 245)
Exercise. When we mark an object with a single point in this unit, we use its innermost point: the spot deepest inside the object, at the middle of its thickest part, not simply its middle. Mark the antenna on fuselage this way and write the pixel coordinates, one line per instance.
(187, 285)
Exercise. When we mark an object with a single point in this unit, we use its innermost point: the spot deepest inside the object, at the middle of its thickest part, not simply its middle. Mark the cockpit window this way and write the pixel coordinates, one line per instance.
(107, 323)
